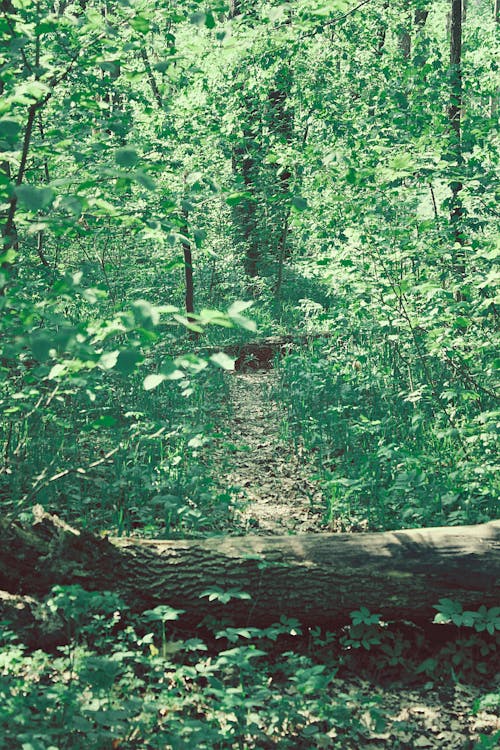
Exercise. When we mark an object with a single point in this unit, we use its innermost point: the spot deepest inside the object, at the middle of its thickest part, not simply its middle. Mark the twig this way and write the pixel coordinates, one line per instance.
(73, 470)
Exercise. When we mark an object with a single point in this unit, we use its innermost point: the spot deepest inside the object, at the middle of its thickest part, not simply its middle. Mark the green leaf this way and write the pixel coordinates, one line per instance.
(144, 179)
(198, 19)
(218, 594)
(127, 360)
(238, 307)
(153, 381)
(234, 312)
(11, 255)
(299, 203)
(214, 317)
(140, 23)
(146, 315)
(188, 323)
(163, 65)
(199, 237)
(41, 344)
(170, 371)
(35, 199)
(126, 157)
(222, 360)
(57, 371)
(162, 613)
(9, 129)
(351, 176)
(109, 360)
(234, 198)
(209, 20)
(73, 204)
(104, 420)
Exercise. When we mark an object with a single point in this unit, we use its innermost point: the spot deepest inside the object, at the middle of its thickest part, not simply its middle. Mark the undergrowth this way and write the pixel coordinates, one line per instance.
(129, 681)
(388, 452)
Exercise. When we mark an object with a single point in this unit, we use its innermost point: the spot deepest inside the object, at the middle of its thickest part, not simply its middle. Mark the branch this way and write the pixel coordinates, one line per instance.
(73, 470)
(151, 78)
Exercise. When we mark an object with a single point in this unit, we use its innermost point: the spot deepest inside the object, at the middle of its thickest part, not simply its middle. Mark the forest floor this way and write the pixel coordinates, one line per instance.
(272, 485)
(274, 491)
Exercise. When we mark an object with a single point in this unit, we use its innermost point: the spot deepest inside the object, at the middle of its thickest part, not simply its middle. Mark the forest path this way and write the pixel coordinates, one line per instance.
(271, 484)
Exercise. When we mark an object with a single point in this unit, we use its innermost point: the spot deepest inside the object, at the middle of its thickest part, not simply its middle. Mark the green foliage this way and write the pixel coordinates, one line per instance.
(118, 682)
(302, 153)
(483, 619)
(388, 457)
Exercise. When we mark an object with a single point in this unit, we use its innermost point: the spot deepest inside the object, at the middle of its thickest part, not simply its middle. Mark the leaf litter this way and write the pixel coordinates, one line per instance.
(271, 484)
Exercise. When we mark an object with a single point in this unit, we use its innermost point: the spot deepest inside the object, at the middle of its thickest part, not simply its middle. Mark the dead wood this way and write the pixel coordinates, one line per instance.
(259, 354)
(317, 578)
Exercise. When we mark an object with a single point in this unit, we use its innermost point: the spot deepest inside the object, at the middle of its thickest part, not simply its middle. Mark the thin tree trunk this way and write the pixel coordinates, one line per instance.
(188, 267)
(455, 120)
(496, 96)
(151, 78)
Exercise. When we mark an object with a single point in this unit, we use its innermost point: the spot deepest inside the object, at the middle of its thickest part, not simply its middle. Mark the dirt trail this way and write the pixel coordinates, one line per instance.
(271, 485)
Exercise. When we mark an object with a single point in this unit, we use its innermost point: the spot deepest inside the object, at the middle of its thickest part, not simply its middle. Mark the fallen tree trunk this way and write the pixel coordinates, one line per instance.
(318, 579)
(259, 354)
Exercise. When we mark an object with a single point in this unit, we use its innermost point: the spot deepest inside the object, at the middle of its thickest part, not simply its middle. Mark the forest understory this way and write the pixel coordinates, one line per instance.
(249, 375)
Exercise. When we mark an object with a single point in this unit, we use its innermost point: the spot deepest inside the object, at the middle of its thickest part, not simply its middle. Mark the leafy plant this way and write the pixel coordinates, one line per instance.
(481, 620)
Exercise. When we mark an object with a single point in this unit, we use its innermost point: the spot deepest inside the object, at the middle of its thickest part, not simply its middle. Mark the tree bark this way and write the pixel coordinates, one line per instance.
(495, 97)
(318, 579)
(188, 268)
(455, 120)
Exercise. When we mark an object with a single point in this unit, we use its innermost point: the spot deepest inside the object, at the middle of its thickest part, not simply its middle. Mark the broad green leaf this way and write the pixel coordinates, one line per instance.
(127, 360)
(163, 65)
(57, 371)
(234, 313)
(199, 237)
(234, 198)
(41, 344)
(351, 176)
(73, 204)
(153, 381)
(299, 203)
(209, 20)
(214, 317)
(189, 324)
(146, 314)
(9, 129)
(196, 442)
(35, 199)
(170, 371)
(110, 66)
(237, 307)
(109, 360)
(140, 23)
(144, 179)
(198, 19)
(126, 157)
(104, 420)
(162, 613)
(222, 360)
(11, 255)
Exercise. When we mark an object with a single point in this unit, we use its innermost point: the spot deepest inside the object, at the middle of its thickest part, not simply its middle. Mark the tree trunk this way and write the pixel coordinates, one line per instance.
(188, 267)
(455, 120)
(496, 95)
(318, 579)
